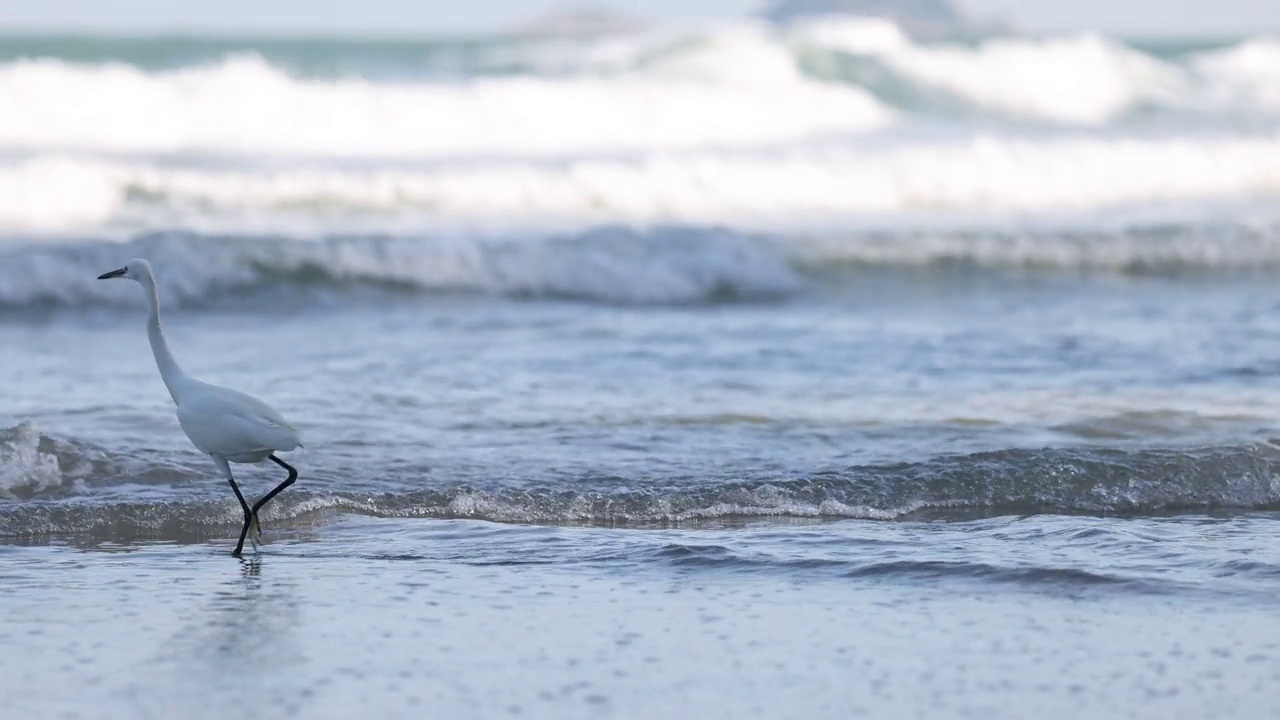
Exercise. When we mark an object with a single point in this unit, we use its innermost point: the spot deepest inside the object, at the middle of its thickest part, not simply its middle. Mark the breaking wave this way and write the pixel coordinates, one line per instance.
(56, 486)
(739, 162)
(244, 105)
(740, 85)
(840, 187)
(38, 466)
(610, 264)
(1083, 79)
(825, 124)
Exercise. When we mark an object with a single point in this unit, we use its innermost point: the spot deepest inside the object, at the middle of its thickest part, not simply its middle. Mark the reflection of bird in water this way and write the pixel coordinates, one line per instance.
(251, 568)
(225, 424)
(238, 641)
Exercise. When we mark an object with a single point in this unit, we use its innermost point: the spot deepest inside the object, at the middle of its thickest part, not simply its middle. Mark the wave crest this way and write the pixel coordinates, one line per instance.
(741, 85)
(988, 484)
(609, 264)
(30, 463)
(244, 105)
(971, 180)
(1084, 79)
(1009, 482)
(40, 466)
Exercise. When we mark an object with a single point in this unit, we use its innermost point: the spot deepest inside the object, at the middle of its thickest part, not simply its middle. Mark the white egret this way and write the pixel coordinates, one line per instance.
(226, 425)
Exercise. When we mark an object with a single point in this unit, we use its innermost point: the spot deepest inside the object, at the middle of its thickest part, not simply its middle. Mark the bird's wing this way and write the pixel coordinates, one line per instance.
(221, 421)
(263, 433)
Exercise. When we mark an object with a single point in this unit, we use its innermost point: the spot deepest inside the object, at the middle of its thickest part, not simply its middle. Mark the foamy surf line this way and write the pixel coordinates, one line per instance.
(719, 86)
(245, 105)
(805, 187)
(53, 486)
(1082, 79)
(609, 264)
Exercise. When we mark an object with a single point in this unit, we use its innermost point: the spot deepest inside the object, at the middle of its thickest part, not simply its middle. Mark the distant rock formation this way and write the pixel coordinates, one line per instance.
(581, 21)
(917, 17)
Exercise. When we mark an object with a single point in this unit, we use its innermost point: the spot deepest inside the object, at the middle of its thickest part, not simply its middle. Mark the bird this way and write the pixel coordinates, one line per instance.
(227, 425)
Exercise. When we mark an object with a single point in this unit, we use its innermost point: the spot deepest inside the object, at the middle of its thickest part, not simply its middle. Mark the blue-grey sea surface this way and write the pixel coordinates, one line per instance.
(752, 370)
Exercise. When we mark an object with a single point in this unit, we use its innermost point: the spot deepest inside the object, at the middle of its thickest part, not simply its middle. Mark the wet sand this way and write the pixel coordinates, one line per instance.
(400, 619)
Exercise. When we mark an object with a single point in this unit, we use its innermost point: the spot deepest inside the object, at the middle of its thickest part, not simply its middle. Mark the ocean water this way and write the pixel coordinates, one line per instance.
(803, 371)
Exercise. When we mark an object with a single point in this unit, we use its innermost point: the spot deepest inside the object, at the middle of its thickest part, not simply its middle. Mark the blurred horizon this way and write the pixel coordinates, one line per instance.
(400, 19)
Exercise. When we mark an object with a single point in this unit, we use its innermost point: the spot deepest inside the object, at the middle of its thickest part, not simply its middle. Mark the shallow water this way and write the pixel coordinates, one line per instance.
(975, 396)
(997, 618)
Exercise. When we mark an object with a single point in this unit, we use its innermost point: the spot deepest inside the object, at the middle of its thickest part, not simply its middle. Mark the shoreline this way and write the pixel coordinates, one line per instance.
(358, 617)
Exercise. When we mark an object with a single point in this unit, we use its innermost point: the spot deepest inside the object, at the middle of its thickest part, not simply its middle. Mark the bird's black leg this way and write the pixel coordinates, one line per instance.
(293, 475)
(248, 516)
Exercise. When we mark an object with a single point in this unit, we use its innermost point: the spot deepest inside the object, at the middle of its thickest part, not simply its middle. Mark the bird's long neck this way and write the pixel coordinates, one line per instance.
(169, 370)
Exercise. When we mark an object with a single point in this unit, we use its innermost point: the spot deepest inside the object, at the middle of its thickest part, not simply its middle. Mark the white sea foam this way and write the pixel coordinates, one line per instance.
(1084, 79)
(501, 183)
(245, 105)
(24, 466)
(741, 54)
(1245, 75)
(714, 128)
(856, 35)
(821, 186)
(735, 86)
(612, 264)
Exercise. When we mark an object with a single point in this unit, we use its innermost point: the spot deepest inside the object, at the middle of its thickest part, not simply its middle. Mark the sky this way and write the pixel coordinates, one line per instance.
(1199, 17)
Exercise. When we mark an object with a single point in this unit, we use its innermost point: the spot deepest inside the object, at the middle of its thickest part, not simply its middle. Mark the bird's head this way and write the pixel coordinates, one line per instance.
(137, 270)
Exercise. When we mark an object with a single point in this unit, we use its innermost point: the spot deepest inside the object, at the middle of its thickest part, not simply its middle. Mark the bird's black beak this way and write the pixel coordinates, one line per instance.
(113, 274)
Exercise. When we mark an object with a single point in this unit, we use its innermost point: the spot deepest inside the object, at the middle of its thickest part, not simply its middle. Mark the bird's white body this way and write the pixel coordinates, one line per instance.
(227, 425)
